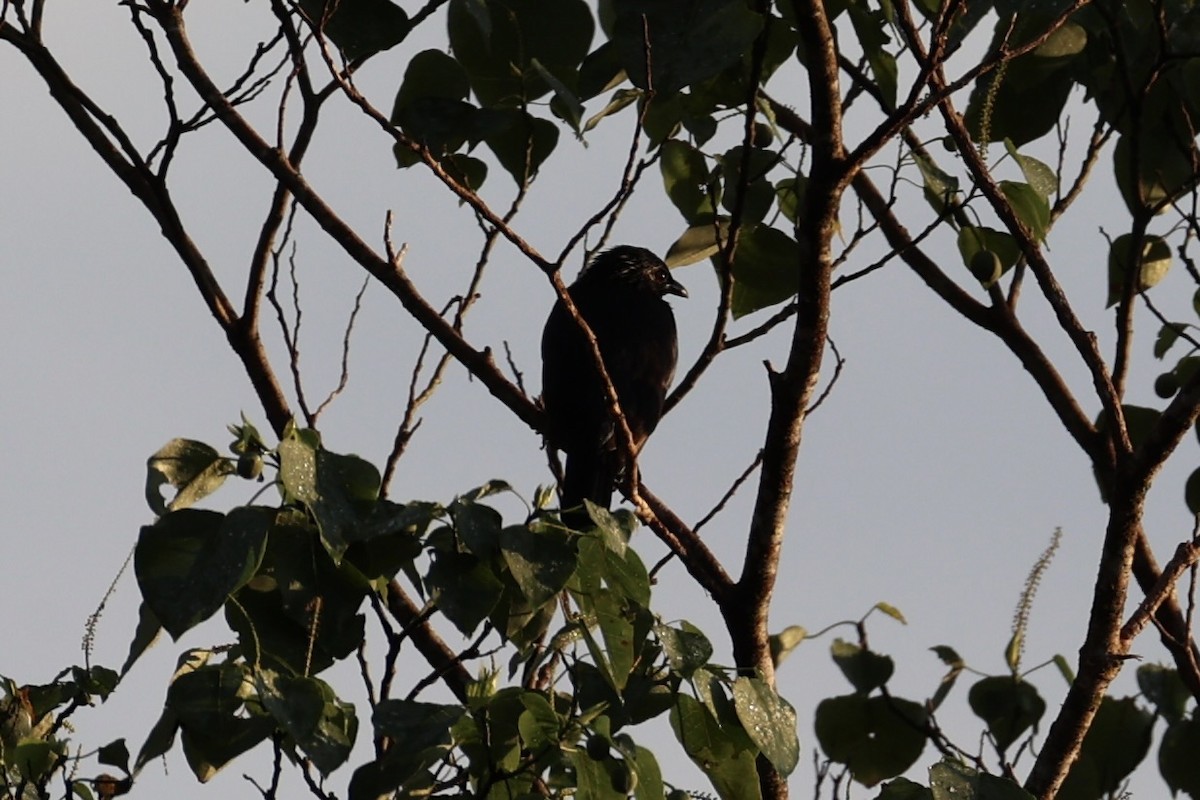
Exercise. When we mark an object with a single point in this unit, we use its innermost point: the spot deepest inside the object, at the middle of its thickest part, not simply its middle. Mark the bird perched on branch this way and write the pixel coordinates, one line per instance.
(621, 296)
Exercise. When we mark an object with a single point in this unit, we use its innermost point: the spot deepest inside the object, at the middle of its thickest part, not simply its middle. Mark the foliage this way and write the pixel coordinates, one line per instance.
(780, 202)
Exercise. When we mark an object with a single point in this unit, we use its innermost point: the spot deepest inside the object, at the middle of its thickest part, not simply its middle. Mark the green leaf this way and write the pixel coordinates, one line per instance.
(973, 240)
(784, 642)
(617, 629)
(594, 778)
(1009, 706)
(688, 181)
(477, 526)
(871, 26)
(689, 40)
(1154, 261)
(685, 647)
(1165, 689)
(33, 758)
(115, 754)
(188, 562)
(148, 628)
(866, 670)
(498, 43)
(193, 468)
(540, 563)
(650, 782)
(464, 588)
(601, 72)
(522, 143)
(891, 611)
(621, 98)
(360, 28)
(216, 724)
(626, 575)
(730, 768)
(1024, 100)
(336, 489)
(766, 269)
(565, 104)
(790, 194)
(1177, 756)
(1030, 206)
(697, 243)
(539, 725)
(904, 789)
(1115, 744)
(310, 713)
(1160, 172)
(1168, 334)
(770, 722)
(954, 780)
(1041, 178)
(941, 188)
(875, 737)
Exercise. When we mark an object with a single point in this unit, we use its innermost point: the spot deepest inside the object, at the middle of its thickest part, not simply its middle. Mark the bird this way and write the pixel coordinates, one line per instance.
(621, 295)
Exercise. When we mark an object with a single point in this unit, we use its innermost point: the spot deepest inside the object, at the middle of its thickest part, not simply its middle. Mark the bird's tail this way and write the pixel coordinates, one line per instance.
(584, 477)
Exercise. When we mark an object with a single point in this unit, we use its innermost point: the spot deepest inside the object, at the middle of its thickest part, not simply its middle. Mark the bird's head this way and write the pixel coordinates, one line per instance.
(636, 267)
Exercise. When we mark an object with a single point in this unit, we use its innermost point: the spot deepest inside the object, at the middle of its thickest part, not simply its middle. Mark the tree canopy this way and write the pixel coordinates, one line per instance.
(802, 147)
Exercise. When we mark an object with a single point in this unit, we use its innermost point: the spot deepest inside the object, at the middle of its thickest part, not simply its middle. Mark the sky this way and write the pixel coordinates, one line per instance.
(931, 478)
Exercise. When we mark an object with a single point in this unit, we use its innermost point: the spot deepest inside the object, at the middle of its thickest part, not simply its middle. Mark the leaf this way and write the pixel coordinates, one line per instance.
(115, 754)
(891, 611)
(870, 26)
(689, 40)
(336, 489)
(1160, 171)
(1041, 178)
(686, 648)
(1165, 689)
(769, 720)
(148, 628)
(1009, 706)
(497, 45)
(195, 469)
(784, 642)
(540, 563)
(522, 143)
(360, 28)
(1168, 334)
(687, 180)
(565, 104)
(1154, 261)
(875, 737)
(1023, 101)
(729, 767)
(941, 188)
(208, 704)
(1030, 206)
(954, 780)
(766, 269)
(1115, 744)
(866, 670)
(621, 98)
(790, 194)
(464, 589)
(697, 243)
(1177, 756)
(617, 629)
(973, 240)
(306, 708)
(188, 562)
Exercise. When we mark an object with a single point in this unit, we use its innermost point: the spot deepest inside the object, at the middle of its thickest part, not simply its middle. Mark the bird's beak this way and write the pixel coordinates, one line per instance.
(675, 287)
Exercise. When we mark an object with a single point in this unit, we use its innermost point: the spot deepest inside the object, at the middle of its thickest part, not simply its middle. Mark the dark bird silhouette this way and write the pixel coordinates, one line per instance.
(621, 296)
